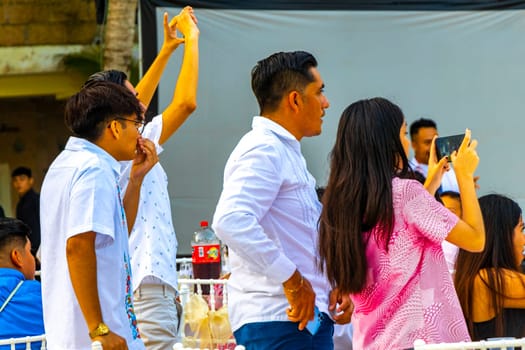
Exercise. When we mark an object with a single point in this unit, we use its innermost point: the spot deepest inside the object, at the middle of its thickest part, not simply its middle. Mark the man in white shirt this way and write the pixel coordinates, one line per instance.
(268, 212)
(86, 274)
(152, 241)
(422, 131)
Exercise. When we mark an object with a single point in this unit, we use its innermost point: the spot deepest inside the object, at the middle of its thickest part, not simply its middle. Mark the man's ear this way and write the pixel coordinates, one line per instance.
(293, 100)
(114, 128)
(16, 258)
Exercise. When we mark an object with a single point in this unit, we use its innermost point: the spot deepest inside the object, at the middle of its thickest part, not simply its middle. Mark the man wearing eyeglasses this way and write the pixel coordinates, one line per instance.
(153, 244)
(86, 274)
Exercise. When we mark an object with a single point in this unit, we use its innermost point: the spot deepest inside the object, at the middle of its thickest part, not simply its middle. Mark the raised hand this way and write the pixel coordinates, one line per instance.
(171, 40)
(187, 22)
(466, 158)
(436, 169)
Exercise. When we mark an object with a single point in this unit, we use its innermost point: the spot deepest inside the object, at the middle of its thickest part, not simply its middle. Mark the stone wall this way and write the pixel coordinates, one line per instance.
(32, 130)
(47, 22)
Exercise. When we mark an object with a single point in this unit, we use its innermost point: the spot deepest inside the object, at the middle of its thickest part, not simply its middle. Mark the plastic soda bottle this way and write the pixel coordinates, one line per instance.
(206, 255)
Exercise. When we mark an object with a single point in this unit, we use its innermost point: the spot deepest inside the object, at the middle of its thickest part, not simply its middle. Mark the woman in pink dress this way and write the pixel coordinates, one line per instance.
(381, 231)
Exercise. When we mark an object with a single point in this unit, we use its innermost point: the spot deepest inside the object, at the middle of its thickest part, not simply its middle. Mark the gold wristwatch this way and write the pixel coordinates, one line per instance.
(102, 329)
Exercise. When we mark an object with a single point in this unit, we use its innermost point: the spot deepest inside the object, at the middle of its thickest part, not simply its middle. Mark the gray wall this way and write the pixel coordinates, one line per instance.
(462, 69)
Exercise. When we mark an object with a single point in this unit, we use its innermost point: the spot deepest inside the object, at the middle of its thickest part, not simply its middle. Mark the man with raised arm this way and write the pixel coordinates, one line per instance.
(86, 273)
(153, 244)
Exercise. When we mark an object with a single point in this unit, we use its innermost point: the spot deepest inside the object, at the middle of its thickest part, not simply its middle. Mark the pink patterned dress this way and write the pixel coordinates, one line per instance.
(409, 293)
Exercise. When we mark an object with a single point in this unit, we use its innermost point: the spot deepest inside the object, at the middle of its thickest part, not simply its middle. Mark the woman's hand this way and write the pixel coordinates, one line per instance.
(436, 169)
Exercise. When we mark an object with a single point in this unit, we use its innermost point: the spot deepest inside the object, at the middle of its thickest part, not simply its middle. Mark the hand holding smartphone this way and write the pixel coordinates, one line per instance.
(445, 146)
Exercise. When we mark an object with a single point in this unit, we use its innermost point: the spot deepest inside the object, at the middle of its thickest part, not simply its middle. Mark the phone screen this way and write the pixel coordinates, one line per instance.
(313, 325)
(448, 144)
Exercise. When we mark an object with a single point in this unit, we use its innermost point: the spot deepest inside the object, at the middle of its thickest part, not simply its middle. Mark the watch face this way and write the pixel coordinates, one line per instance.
(103, 329)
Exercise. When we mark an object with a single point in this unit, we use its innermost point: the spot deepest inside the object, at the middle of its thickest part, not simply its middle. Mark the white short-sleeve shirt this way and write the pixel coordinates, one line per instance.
(80, 193)
(152, 243)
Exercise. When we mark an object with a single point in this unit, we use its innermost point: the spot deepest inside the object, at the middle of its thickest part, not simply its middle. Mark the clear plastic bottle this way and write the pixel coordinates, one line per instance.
(206, 254)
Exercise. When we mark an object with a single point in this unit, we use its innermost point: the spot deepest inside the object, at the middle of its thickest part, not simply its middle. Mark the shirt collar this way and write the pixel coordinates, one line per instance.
(10, 272)
(265, 123)
(77, 144)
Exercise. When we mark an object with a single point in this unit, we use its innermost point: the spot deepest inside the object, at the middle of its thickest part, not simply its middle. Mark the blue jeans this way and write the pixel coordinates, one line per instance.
(285, 335)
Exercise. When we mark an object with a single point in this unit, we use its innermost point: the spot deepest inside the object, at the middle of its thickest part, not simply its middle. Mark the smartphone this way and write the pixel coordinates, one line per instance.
(445, 146)
(313, 325)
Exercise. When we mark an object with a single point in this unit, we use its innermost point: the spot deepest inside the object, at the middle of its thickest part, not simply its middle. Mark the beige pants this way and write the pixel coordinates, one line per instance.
(158, 315)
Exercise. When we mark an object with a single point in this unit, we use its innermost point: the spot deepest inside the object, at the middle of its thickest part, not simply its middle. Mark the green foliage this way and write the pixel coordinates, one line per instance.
(86, 62)
(90, 60)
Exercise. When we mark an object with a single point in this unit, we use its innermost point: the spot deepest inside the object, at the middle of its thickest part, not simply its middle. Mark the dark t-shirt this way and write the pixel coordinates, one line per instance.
(28, 210)
(514, 326)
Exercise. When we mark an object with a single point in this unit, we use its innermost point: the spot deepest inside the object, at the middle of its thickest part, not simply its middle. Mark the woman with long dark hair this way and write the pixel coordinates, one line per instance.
(381, 231)
(491, 284)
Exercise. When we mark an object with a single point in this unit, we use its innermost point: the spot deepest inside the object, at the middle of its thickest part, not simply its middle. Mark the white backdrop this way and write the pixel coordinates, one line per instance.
(461, 68)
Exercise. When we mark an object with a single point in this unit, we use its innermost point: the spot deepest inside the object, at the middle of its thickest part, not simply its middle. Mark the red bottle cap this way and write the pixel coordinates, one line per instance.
(204, 223)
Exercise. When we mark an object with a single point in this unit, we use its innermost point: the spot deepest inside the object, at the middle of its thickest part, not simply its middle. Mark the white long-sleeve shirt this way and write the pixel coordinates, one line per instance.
(268, 216)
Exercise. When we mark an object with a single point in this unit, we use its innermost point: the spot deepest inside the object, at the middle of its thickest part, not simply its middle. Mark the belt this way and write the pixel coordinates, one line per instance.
(164, 289)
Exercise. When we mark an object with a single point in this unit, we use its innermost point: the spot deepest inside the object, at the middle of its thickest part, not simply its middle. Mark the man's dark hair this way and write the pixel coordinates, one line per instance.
(112, 75)
(13, 232)
(22, 170)
(278, 74)
(88, 111)
(320, 192)
(117, 77)
(421, 123)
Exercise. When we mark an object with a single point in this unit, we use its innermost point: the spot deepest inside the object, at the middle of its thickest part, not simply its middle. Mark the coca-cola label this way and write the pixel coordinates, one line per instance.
(205, 254)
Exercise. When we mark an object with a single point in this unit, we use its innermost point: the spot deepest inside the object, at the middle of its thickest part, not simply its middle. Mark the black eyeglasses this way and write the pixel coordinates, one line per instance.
(139, 124)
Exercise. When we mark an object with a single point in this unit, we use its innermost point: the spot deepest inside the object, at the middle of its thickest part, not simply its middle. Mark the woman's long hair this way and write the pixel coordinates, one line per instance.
(367, 154)
(500, 215)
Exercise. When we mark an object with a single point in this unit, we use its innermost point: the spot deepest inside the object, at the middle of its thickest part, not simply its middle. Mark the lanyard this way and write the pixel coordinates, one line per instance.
(10, 296)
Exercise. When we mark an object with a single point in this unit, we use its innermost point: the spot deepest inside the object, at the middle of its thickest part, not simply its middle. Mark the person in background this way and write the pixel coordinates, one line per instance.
(86, 273)
(380, 231)
(422, 132)
(490, 284)
(152, 241)
(20, 294)
(268, 212)
(28, 207)
(2, 213)
(452, 201)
